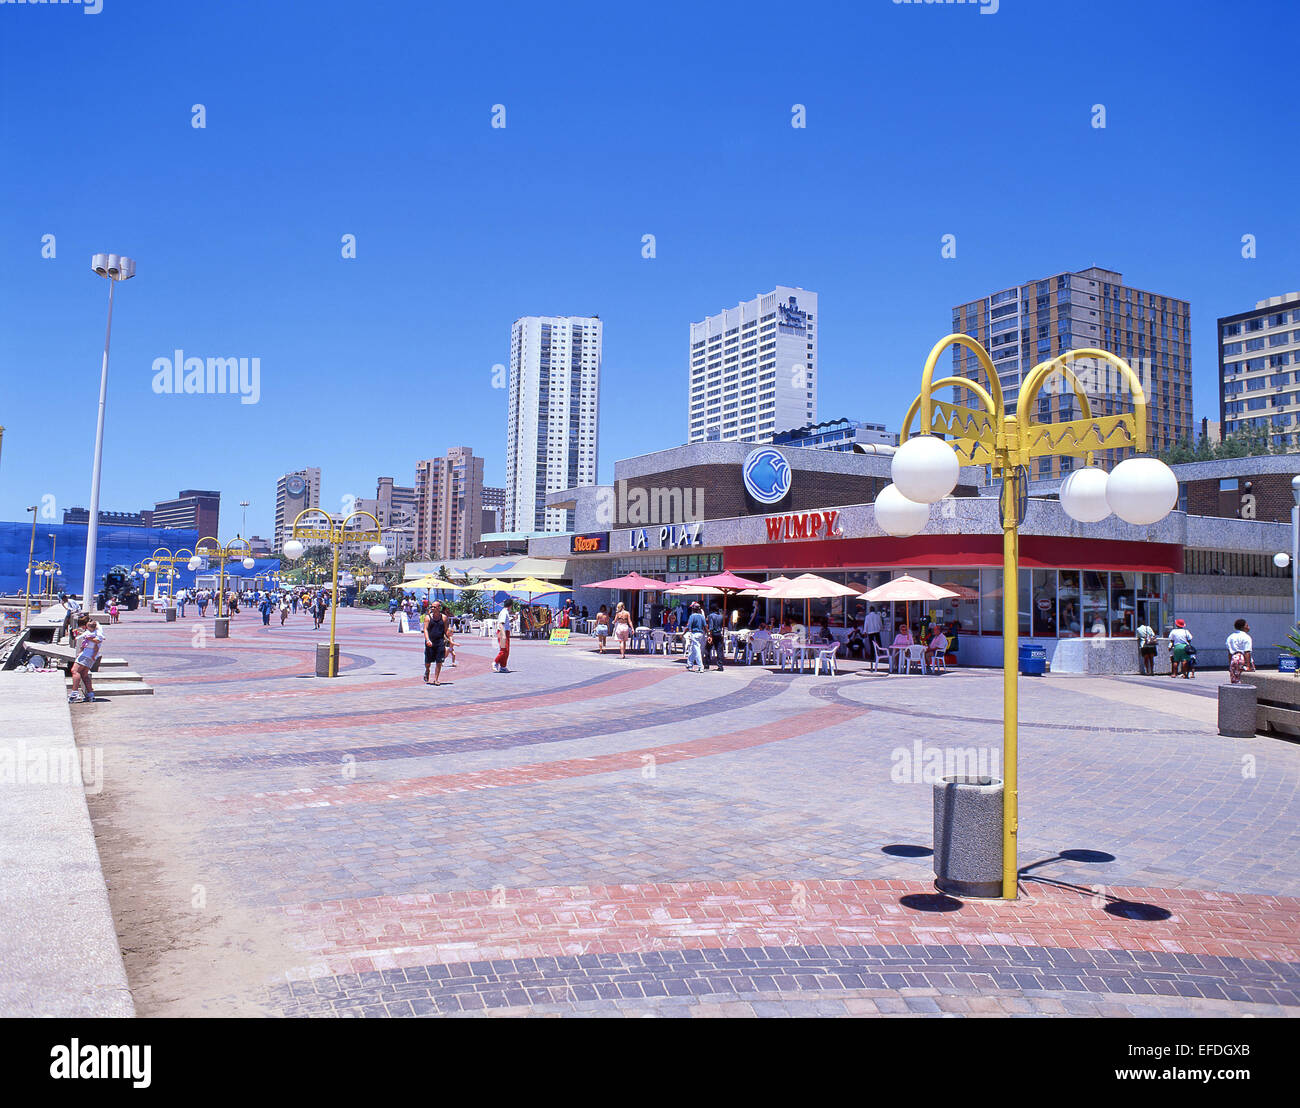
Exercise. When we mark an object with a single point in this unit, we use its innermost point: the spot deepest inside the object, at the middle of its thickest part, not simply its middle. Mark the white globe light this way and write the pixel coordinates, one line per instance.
(1083, 495)
(293, 550)
(194, 563)
(1282, 560)
(925, 469)
(248, 563)
(1141, 490)
(378, 555)
(899, 516)
(153, 567)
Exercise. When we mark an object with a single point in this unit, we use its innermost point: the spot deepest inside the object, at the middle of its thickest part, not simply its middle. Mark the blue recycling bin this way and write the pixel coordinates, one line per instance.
(1286, 663)
(1033, 659)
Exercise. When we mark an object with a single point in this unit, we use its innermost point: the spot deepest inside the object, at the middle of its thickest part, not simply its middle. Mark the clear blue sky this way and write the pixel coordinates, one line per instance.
(332, 118)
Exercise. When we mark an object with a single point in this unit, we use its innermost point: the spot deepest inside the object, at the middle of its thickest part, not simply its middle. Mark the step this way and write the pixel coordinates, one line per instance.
(112, 675)
(110, 687)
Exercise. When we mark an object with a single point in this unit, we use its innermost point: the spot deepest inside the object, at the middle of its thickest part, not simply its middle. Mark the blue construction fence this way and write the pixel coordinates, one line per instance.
(115, 545)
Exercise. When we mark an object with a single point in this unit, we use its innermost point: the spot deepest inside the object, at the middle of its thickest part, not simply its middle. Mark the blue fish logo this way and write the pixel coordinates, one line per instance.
(766, 475)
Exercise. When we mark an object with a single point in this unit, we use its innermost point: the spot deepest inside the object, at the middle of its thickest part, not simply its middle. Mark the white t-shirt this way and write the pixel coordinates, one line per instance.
(503, 622)
(1180, 634)
(872, 623)
(1239, 643)
(88, 645)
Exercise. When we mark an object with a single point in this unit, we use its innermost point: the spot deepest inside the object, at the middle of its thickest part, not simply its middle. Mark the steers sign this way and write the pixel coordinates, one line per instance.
(804, 525)
(595, 542)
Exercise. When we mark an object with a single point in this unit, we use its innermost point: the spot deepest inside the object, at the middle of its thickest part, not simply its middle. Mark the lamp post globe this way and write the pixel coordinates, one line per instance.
(1142, 490)
(194, 564)
(378, 555)
(899, 516)
(293, 550)
(925, 469)
(248, 563)
(1282, 559)
(1083, 495)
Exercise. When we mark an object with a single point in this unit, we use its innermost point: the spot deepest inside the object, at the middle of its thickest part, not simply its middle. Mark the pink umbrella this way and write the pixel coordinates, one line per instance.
(629, 581)
(727, 582)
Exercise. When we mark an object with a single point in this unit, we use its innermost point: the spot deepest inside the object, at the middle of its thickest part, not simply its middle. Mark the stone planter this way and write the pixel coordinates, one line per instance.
(1277, 702)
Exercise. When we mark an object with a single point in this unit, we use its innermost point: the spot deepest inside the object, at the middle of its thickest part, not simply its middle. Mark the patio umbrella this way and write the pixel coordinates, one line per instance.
(632, 582)
(726, 583)
(906, 589)
(491, 585)
(806, 587)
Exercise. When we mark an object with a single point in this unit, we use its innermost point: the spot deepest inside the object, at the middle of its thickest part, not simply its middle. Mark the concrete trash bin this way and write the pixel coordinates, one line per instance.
(1238, 707)
(171, 615)
(323, 651)
(222, 628)
(968, 836)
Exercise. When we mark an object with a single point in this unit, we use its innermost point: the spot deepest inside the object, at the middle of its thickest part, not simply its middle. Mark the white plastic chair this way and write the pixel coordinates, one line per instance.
(826, 656)
(880, 656)
(760, 646)
(914, 655)
(658, 641)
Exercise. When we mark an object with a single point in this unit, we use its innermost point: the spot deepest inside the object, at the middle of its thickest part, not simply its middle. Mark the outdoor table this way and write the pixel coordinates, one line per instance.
(896, 658)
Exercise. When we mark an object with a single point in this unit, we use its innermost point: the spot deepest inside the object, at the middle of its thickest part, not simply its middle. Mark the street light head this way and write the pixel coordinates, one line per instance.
(99, 263)
(899, 516)
(378, 555)
(1142, 490)
(293, 550)
(925, 469)
(194, 563)
(1282, 559)
(1295, 488)
(248, 563)
(1083, 495)
(153, 567)
(126, 269)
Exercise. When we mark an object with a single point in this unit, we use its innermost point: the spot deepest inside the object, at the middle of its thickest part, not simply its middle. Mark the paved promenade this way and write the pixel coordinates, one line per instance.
(584, 836)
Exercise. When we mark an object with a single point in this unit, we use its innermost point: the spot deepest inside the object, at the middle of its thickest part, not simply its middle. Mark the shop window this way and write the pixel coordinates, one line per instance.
(1094, 602)
(1043, 612)
(990, 602)
(964, 608)
(1123, 605)
(1068, 625)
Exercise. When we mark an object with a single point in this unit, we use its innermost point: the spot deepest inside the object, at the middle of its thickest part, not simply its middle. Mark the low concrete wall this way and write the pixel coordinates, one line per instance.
(1279, 701)
(59, 954)
(1104, 655)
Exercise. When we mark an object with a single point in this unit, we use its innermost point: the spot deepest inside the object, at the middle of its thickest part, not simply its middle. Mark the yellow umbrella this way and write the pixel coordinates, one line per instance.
(532, 585)
(428, 581)
(491, 585)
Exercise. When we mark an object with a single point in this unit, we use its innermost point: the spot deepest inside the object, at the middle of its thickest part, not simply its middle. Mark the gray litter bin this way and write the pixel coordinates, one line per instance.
(222, 628)
(1238, 706)
(171, 615)
(323, 650)
(968, 836)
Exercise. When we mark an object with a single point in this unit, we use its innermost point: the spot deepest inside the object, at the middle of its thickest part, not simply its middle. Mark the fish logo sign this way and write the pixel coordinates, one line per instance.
(766, 475)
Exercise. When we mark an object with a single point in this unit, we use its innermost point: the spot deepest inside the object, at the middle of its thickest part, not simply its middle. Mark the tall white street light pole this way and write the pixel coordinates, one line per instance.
(1282, 559)
(244, 504)
(116, 269)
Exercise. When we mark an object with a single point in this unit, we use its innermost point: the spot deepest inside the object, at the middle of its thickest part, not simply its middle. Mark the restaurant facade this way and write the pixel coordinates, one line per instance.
(767, 511)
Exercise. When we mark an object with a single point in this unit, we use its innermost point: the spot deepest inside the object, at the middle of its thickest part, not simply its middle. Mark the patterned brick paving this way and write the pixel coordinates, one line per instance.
(585, 836)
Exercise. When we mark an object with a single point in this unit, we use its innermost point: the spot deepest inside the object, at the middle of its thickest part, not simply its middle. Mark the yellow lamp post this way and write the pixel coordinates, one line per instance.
(212, 549)
(336, 533)
(925, 471)
(31, 556)
(144, 568)
(48, 571)
(171, 558)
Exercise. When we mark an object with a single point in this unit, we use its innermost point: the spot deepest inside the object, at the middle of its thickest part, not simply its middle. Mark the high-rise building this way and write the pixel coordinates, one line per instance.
(396, 503)
(448, 503)
(294, 492)
(753, 368)
(190, 510)
(553, 414)
(1034, 322)
(494, 510)
(1259, 368)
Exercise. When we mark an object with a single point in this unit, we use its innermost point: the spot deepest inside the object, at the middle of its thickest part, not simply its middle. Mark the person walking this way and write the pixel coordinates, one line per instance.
(715, 639)
(602, 627)
(1241, 652)
(434, 625)
(182, 598)
(872, 627)
(1180, 648)
(266, 607)
(284, 609)
(1147, 649)
(503, 637)
(622, 628)
(695, 631)
(90, 641)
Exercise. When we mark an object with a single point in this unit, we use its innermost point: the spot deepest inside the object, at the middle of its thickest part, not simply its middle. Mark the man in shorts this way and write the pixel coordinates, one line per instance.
(435, 642)
(503, 638)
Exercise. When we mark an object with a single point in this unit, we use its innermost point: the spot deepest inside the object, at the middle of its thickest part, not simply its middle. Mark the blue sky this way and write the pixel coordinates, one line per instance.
(329, 118)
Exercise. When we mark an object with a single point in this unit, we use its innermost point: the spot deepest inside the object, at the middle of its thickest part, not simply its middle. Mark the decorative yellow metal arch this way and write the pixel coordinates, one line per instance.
(1007, 442)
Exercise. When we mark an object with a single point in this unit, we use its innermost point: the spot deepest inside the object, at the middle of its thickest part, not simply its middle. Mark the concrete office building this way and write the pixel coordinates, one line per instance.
(554, 405)
(753, 368)
(1259, 368)
(448, 504)
(294, 492)
(837, 434)
(1033, 322)
(191, 510)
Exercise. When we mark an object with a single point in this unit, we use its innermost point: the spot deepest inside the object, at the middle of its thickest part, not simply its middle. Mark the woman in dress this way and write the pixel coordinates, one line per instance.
(622, 628)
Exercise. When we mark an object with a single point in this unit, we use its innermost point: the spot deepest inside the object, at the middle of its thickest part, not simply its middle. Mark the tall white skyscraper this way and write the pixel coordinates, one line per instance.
(754, 368)
(294, 492)
(554, 407)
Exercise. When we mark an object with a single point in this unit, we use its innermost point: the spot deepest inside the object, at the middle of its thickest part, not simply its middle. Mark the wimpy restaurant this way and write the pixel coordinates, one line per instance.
(693, 510)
